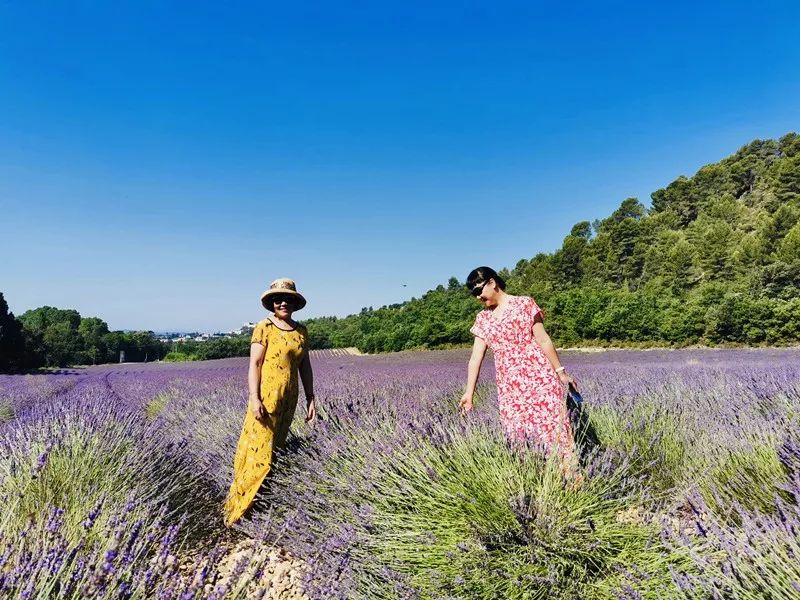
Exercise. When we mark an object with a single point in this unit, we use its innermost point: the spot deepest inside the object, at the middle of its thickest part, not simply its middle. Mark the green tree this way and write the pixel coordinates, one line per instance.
(319, 332)
(583, 229)
(223, 347)
(777, 280)
(13, 353)
(789, 247)
(789, 145)
(624, 238)
(93, 331)
(630, 208)
(744, 175)
(143, 346)
(678, 197)
(138, 346)
(681, 272)
(788, 188)
(114, 342)
(749, 253)
(784, 218)
(57, 329)
(716, 252)
(568, 260)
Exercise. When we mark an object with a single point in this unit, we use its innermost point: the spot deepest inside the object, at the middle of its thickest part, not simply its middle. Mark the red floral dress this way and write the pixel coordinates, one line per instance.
(530, 394)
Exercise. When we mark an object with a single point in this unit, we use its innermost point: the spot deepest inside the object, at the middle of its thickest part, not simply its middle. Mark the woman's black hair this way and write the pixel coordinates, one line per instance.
(482, 275)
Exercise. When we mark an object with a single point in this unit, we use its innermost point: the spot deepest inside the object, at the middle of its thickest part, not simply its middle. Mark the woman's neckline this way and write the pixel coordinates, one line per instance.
(509, 298)
(274, 322)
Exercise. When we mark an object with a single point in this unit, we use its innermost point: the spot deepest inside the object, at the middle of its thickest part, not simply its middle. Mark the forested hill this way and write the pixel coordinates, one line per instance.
(714, 260)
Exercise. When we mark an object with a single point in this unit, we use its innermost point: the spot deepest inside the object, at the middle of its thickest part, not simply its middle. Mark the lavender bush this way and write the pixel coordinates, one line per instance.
(82, 449)
(120, 556)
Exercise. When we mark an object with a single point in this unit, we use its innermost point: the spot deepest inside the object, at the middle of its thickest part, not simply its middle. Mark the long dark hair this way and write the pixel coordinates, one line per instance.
(481, 275)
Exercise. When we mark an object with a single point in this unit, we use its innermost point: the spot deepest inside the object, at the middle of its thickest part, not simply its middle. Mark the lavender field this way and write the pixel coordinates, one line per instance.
(112, 480)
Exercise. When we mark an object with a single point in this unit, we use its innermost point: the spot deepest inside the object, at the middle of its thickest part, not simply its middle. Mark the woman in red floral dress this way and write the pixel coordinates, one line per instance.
(530, 379)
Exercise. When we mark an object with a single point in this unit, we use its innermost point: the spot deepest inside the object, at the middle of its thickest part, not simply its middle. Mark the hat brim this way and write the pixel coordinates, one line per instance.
(301, 302)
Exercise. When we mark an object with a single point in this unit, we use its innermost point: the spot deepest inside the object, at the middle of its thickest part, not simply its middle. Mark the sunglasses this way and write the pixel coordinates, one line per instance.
(281, 298)
(478, 289)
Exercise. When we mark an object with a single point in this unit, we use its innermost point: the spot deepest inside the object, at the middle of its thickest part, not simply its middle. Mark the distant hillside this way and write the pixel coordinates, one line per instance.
(715, 260)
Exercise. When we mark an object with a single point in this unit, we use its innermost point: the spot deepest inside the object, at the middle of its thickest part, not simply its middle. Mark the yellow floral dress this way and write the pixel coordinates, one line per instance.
(285, 350)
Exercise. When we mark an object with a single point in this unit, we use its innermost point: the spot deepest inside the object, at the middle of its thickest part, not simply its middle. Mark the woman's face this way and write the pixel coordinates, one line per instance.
(487, 293)
(283, 305)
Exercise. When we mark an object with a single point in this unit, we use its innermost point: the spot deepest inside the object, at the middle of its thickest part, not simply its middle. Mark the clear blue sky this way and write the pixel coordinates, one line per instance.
(161, 162)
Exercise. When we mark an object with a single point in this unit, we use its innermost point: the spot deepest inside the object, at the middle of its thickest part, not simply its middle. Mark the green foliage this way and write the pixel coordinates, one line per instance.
(744, 479)
(156, 405)
(789, 247)
(139, 346)
(68, 480)
(210, 349)
(93, 331)
(57, 337)
(715, 260)
(473, 518)
(514, 515)
(652, 437)
(441, 318)
(6, 411)
(61, 345)
(89, 460)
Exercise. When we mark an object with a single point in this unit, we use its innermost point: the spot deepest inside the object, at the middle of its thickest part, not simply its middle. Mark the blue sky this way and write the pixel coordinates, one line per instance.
(161, 162)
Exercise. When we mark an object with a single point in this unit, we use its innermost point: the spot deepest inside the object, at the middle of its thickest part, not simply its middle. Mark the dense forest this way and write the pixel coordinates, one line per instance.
(714, 260)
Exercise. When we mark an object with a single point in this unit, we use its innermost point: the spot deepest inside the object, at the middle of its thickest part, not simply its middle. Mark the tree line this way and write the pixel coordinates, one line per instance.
(55, 337)
(714, 260)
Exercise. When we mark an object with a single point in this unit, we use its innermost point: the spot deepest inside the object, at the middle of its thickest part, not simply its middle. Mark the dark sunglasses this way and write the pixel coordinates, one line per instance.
(478, 289)
(279, 298)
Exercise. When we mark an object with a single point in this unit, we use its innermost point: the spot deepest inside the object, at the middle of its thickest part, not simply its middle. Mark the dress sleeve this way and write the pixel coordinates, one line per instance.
(477, 328)
(260, 334)
(534, 309)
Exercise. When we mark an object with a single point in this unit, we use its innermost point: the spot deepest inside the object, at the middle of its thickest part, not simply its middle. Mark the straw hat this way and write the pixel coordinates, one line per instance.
(284, 285)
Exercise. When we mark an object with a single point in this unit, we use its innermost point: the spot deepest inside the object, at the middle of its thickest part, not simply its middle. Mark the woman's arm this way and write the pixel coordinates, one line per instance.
(549, 350)
(307, 377)
(257, 353)
(473, 370)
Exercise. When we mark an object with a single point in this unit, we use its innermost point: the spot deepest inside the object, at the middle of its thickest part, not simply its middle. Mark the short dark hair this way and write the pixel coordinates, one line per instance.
(483, 274)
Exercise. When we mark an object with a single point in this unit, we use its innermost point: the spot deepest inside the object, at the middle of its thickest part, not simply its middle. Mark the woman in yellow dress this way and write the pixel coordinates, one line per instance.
(278, 354)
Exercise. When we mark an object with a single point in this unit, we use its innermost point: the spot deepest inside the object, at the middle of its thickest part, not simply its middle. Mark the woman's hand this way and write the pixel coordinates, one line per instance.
(567, 379)
(465, 403)
(255, 406)
(311, 411)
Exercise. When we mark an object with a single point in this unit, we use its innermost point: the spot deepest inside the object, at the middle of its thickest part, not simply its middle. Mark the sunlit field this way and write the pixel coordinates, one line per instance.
(112, 480)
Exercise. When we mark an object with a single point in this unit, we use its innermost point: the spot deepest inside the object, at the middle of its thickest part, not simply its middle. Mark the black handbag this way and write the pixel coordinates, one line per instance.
(583, 431)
